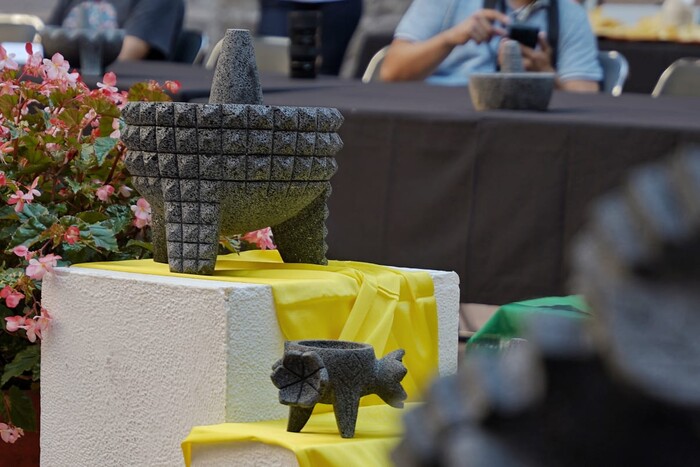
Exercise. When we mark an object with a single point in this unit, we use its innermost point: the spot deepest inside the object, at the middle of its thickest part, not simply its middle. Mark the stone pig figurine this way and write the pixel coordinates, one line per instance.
(338, 373)
(232, 166)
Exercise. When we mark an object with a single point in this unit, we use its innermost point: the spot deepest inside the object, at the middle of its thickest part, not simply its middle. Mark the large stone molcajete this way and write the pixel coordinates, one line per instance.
(338, 373)
(233, 166)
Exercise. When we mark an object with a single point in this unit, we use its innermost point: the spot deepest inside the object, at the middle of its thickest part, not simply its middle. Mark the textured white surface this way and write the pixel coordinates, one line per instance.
(133, 361)
(242, 454)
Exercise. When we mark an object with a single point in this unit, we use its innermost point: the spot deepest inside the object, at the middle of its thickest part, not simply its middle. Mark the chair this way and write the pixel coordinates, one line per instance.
(16, 27)
(374, 66)
(681, 78)
(615, 71)
(271, 54)
(190, 47)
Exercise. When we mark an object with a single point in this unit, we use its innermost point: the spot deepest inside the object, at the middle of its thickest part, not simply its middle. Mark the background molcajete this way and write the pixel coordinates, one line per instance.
(233, 166)
(338, 373)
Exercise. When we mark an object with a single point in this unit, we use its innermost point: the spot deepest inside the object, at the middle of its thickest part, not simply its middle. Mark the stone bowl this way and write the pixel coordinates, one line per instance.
(210, 169)
(512, 91)
(69, 41)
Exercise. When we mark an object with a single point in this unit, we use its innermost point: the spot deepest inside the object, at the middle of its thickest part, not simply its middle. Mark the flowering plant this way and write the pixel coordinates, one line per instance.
(65, 197)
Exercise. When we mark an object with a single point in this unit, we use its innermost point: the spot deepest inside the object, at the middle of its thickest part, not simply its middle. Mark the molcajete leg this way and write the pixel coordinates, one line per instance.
(160, 250)
(302, 239)
(345, 407)
(298, 416)
(193, 242)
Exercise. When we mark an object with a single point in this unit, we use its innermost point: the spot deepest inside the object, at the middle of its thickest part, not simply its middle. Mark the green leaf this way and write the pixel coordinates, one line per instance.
(33, 210)
(74, 185)
(148, 246)
(21, 409)
(120, 217)
(25, 360)
(28, 233)
(103, 236)
(92, 217)
(102, 148)
(8, 212)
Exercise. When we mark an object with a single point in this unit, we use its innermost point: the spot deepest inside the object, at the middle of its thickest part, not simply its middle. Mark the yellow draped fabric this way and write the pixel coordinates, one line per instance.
(387, 308)
(378, 430)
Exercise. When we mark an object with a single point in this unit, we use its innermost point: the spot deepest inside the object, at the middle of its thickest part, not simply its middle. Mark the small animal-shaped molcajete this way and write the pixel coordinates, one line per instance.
(338, 373)
(232, 166)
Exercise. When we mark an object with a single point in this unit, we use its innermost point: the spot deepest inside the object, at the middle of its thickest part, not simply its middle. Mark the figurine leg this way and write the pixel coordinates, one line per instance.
(160, 250)
(302, 239)
(193, 241)
(298, 416)
(345, 407)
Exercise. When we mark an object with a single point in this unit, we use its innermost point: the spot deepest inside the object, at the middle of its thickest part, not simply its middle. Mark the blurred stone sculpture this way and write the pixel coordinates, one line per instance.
(233, 166)
(90, 49)
(621, 389)
(511, 88)
(338, 373)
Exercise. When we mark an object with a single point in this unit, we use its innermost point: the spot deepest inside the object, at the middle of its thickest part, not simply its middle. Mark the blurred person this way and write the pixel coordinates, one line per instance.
(152, 26)
(444, 41)
(338, 22)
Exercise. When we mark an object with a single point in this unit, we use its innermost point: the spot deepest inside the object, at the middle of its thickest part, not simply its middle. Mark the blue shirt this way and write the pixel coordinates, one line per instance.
(577, 55)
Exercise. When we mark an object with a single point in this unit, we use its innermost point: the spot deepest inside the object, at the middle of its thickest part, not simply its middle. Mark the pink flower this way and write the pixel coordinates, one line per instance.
(142, 213)
(108, 84)
(42, 323)
(115, 126)
(34, 65)
(72, 235)
(6, 60)
(53, 147)
(18, 199)
(11, 296)
(56, 71)
(38, 267)
(3, 179)
(9, 433)
(104, 192)
(15, 323)
(21, 251)
(125, 191)
(32, 191)
(262, 238)
(173, 86)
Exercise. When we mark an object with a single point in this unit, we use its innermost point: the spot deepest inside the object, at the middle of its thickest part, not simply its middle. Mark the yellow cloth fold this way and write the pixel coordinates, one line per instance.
(387, 308)
(378, 430)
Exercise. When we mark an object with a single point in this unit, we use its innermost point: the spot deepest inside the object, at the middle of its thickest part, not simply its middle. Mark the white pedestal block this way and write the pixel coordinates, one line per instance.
(133, 362)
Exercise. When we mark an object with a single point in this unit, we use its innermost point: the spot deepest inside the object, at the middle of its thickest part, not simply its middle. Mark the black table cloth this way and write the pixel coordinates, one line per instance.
(425, 181)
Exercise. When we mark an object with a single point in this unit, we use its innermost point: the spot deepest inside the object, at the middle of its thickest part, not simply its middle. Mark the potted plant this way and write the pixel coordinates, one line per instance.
(65, 197)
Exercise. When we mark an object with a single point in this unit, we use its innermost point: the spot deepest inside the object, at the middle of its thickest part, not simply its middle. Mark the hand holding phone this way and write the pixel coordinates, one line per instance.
(526, 35)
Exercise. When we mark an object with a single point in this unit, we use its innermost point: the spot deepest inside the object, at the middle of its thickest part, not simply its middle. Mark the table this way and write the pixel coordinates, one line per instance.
(196, 80)
(647, 59)
(425, 181)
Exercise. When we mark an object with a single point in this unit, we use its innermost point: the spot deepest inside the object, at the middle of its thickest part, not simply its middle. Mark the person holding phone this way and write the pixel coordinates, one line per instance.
(444, 41)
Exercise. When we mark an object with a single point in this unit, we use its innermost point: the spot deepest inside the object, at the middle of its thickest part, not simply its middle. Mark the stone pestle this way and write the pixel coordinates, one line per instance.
(512, 57)
(236, 79)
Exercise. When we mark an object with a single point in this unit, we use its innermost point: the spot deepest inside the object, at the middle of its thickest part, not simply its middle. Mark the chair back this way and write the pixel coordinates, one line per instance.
(190, 47)
(374, 66)
(681, 78)
(271, 54)
(13, 27)
(615, 71)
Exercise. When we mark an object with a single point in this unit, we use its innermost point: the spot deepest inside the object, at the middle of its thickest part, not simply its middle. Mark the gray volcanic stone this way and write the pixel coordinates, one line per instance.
(236, 75)
(338, 373)
(512, 88)
(228, 168)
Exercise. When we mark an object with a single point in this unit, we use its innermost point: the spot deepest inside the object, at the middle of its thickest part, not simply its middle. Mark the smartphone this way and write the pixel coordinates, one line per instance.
(526, 35)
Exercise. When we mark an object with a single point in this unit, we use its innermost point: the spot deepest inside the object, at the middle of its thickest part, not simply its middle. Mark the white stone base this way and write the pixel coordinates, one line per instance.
(134, 361)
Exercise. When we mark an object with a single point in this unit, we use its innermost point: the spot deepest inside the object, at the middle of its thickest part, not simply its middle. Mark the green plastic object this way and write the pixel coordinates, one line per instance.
(507, 322)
